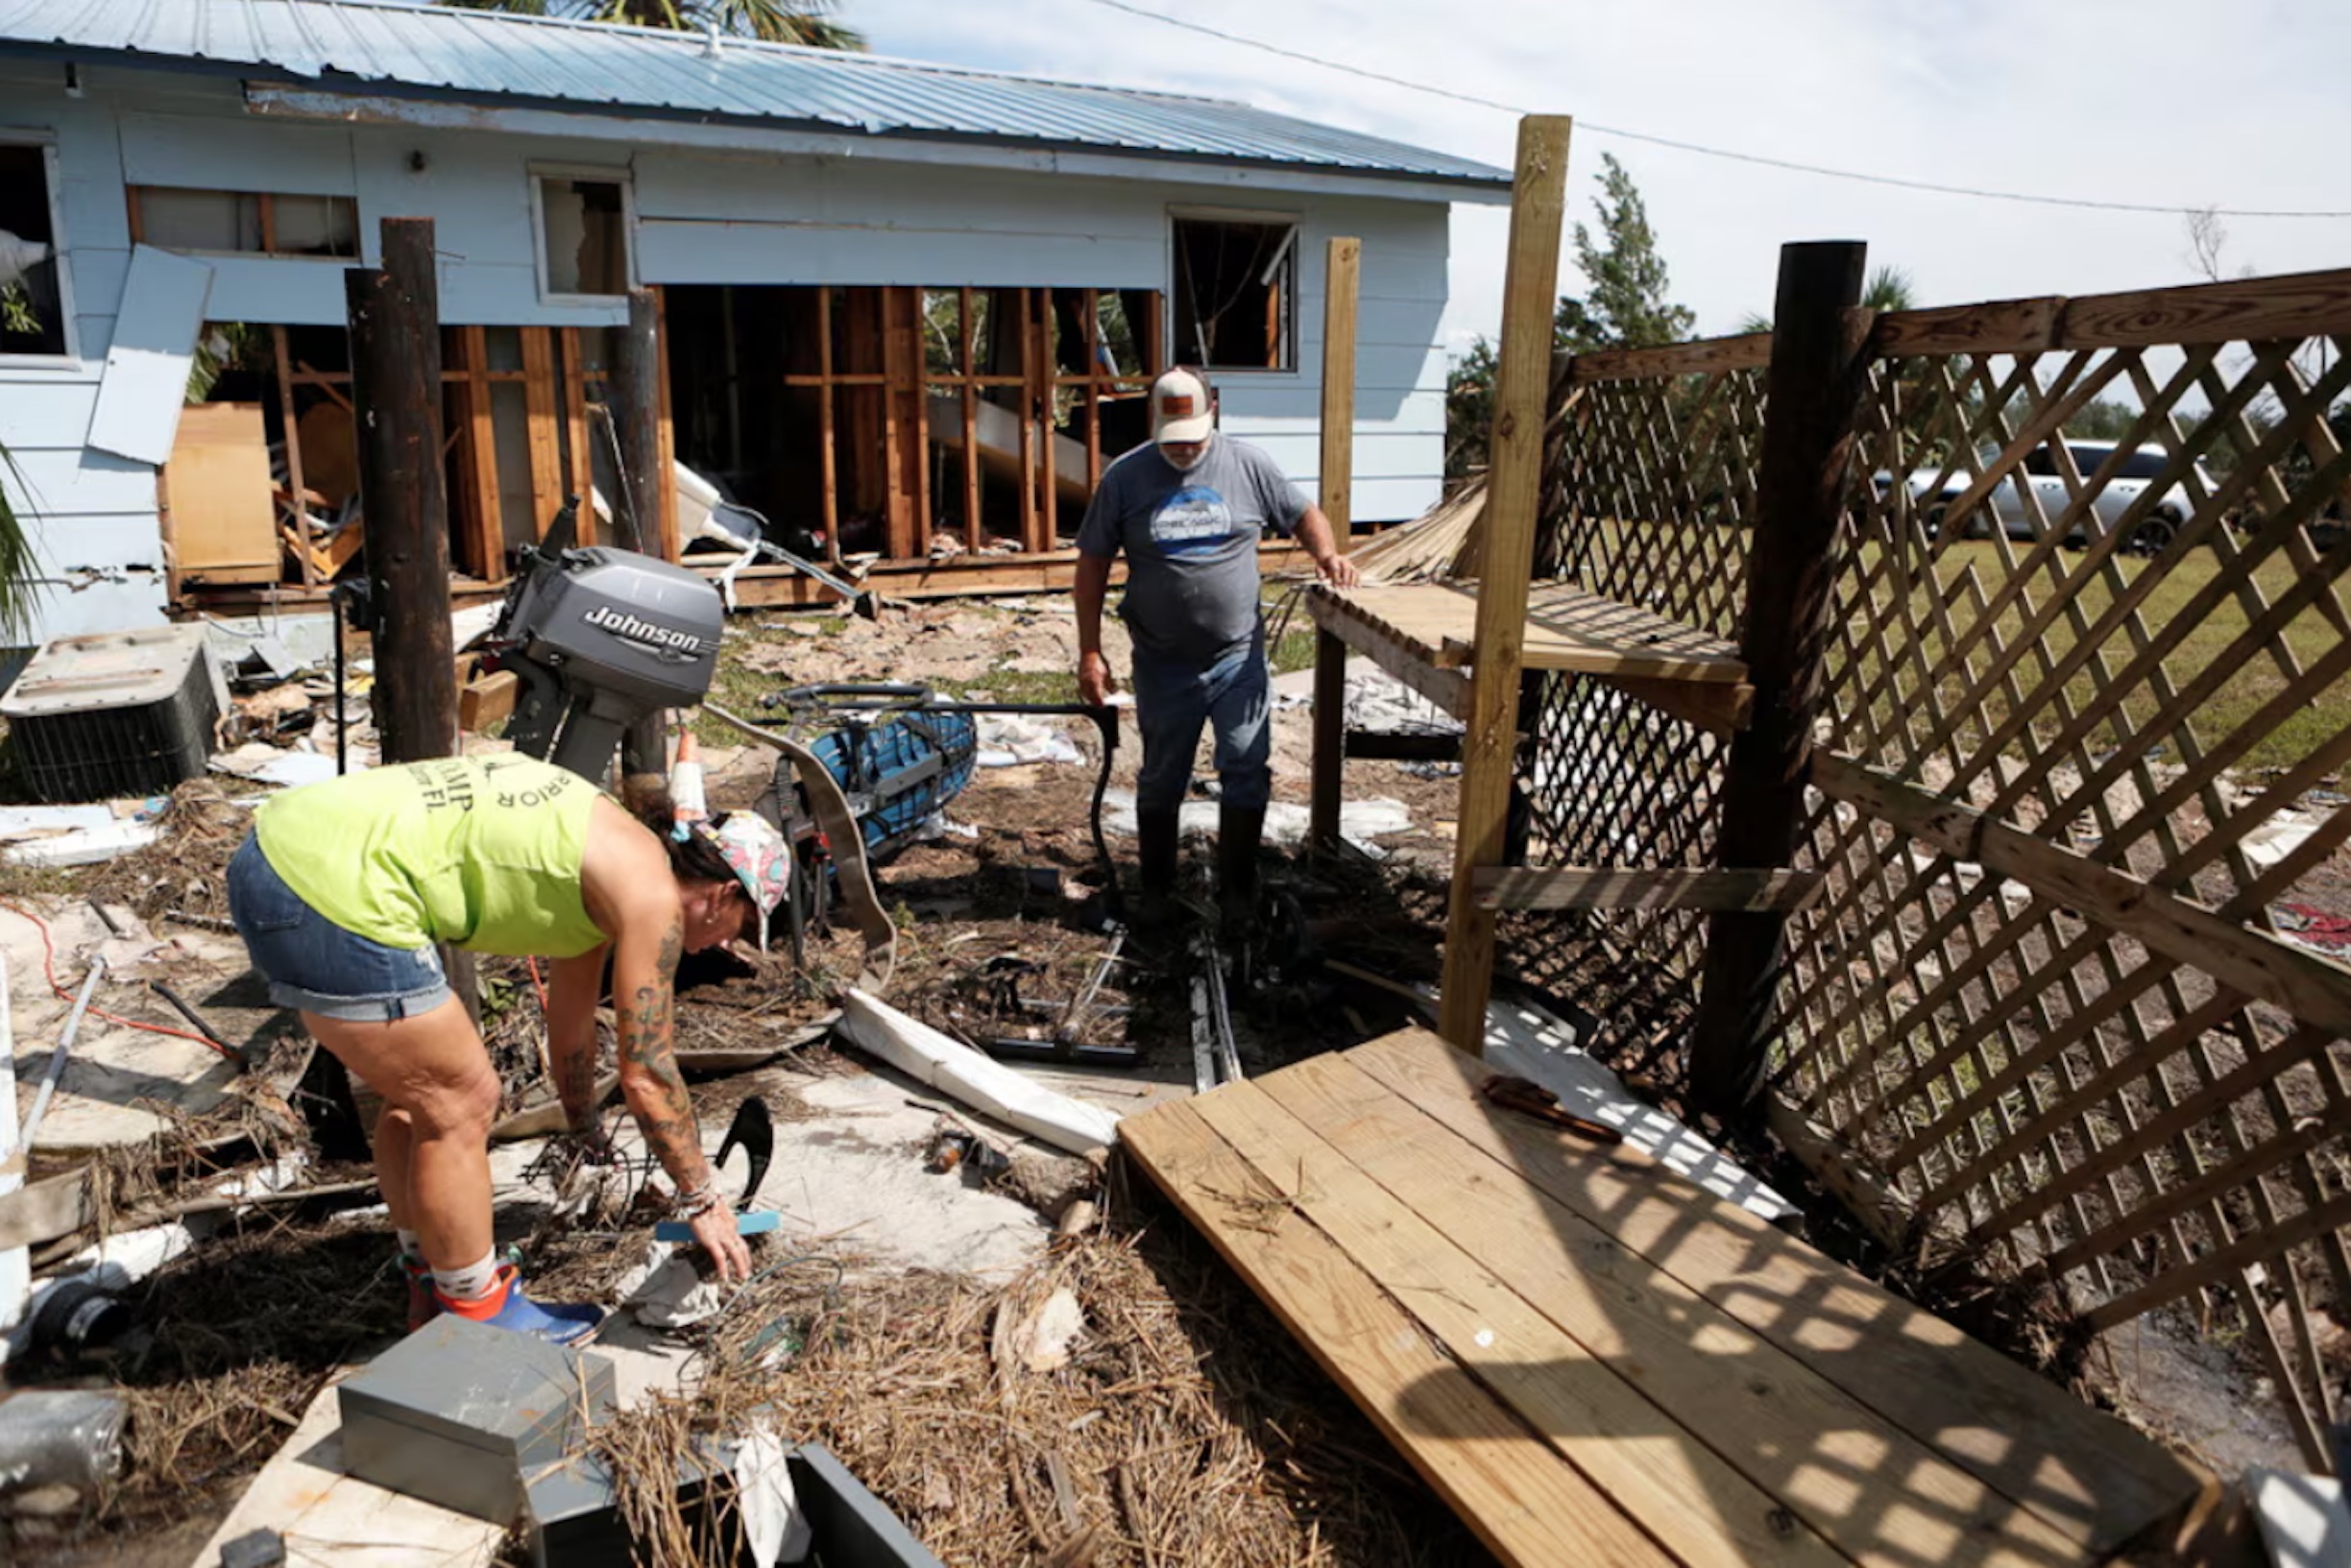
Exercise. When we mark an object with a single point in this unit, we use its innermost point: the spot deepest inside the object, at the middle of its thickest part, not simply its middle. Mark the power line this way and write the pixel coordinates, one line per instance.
(1855, 175)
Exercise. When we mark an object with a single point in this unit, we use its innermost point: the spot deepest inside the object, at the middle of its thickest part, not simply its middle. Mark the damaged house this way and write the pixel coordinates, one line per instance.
(905, 311)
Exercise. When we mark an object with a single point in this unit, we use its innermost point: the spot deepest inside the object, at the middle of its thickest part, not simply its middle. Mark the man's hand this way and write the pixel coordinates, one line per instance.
(715, 1229)
(1094, 682)
(1338, 571)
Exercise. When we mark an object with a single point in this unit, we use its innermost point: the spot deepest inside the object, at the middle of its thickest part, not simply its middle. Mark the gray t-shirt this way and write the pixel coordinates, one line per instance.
(1191, 543)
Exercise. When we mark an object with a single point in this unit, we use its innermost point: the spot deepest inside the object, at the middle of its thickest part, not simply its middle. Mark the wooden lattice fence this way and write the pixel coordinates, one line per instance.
(2084, 710)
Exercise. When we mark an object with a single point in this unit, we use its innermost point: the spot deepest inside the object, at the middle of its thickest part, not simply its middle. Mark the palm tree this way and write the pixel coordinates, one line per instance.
(1889, 288)
(806, 22)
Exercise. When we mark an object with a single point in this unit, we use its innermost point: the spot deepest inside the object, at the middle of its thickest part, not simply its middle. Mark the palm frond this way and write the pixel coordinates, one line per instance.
(18, 589)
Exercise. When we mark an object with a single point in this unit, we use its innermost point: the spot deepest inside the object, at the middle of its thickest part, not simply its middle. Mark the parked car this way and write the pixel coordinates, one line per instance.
(2140, 468)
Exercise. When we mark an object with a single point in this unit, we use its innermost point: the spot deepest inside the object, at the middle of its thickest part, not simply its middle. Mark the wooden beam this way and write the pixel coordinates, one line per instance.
(293, 451)
(1814, 387)
(576, 422)
(1641, 888)
(1721, 711)
(1539, 204)
(956, 576)
(1343, 274)
(967, 403)
(633, 395)
(2292, 306)
(667, 545)
(2312, 988)
(488, 701)
(540, 410)
(2002, 327)
(1707, 356)
(827, 431)
(481, 457)
(1384, 646)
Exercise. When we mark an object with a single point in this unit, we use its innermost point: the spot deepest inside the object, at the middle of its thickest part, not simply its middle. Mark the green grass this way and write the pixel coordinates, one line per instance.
(2253, 679)
(736, 686)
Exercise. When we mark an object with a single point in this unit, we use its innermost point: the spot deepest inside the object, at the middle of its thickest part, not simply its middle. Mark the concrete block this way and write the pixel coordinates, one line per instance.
(457, 1411)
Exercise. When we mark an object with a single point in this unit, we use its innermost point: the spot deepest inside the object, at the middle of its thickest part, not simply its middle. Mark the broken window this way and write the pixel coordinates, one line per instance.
(1236, 289)
(36, 308)
(234, 222)
(583, 235)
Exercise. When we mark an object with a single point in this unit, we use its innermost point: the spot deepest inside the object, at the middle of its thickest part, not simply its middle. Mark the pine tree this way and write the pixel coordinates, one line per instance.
(1625, 306)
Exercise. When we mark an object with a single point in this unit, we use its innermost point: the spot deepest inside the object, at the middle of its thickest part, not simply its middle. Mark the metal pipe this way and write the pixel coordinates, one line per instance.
(57, 1058)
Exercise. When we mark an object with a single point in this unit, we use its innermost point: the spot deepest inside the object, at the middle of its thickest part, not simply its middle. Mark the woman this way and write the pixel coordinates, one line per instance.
(341, 894)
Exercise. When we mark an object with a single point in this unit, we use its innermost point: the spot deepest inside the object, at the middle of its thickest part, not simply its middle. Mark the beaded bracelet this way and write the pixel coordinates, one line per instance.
(696, 1203)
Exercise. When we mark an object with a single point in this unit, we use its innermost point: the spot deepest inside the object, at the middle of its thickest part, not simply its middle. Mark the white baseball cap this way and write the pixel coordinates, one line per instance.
(1181, 410)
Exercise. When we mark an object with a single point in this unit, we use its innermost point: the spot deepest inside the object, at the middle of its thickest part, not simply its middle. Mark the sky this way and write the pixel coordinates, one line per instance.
(2176, 103)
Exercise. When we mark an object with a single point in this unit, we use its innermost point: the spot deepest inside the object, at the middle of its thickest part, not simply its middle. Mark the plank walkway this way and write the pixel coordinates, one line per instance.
(1595, 1362)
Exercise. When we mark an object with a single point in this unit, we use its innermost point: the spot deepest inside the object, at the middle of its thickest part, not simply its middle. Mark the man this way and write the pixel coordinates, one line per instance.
(1188, 509)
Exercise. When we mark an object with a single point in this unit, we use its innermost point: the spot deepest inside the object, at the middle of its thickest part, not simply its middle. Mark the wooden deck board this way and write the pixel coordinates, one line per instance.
(1524, 1501)
(2082, 1470)
(1690, 1371)
(1701, 1509)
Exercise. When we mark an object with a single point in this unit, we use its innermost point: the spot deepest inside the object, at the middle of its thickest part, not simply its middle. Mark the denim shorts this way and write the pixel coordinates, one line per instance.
(316, 966)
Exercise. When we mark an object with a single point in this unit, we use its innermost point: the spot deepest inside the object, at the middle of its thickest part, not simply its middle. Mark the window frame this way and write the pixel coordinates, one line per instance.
(1292, 348)
(134, 197)
(61, 257)
(537, 174)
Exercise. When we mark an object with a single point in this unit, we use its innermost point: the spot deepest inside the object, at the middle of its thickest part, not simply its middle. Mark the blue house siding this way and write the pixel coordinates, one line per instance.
(704, 215)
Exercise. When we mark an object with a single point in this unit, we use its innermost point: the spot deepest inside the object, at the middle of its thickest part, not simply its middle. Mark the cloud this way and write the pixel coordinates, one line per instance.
(2172, 102)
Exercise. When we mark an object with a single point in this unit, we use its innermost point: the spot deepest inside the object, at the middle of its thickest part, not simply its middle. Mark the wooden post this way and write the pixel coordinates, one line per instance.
(1538, 206)
(395, 324)
(396, 395)
(635, 389)
(1343, 278)
(1329, 742)
(1811, 392)
(1337, 492)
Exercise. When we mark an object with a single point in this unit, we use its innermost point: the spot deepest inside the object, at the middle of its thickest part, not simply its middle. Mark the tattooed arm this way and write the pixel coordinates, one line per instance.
(644, 965)
(645, 968)
(573, 984)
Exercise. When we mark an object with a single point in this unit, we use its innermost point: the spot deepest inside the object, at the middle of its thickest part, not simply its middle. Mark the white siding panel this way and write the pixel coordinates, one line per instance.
(1395, 500)
(832, 193)
(83, 483)
(747, 252)
(64, 610)
(97, 213)
(221, 153)
(40, 418)
(147, 364)
(257, 288)
(98, 277)
(475, 295)
(68, 549)
(1379, 455)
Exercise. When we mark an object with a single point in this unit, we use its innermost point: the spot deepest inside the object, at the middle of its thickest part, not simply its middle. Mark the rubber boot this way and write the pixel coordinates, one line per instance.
(1159, 846)
(1239, 834)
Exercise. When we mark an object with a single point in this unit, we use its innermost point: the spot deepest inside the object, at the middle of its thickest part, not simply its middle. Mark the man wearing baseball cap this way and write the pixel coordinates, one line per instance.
(1187, 510)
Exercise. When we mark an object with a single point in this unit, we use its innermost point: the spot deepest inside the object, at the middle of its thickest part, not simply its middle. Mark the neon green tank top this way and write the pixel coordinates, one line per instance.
(480, 852)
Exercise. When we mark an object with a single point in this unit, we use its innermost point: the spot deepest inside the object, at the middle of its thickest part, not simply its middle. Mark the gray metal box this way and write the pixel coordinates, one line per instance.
(458, 1410)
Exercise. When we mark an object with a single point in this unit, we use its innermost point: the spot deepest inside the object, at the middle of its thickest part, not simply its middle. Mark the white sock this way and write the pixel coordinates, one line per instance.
(468, 1283)
(410, 1244)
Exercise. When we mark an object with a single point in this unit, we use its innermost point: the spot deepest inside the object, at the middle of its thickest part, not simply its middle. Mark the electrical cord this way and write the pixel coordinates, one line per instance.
(49, 970)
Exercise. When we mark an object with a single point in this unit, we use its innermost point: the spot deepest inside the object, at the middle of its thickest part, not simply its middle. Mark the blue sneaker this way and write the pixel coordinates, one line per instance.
(505, 1306)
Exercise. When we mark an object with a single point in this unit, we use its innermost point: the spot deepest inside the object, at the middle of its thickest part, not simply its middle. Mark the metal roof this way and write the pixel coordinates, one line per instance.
(486, 57)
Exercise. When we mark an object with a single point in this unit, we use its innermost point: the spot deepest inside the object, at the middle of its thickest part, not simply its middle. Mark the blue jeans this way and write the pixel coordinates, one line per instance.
(316, 966)
(1173, 699)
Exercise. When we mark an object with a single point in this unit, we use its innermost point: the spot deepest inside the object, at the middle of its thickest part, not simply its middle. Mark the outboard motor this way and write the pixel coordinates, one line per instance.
(600, 637)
